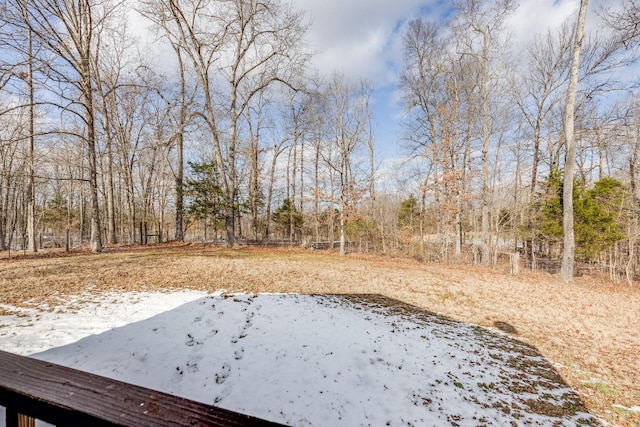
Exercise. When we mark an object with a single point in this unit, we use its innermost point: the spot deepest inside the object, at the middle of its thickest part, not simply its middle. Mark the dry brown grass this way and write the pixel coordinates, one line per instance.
(587, 329)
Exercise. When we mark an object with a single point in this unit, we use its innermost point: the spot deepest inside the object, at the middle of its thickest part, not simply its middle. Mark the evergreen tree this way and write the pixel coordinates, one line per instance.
(287, 215)
(550, 209)
(56, 215)
(204, 192)
(596, 214)
(409, 213)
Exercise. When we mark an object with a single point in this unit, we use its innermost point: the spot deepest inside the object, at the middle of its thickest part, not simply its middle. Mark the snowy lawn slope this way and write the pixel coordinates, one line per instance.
(302, 360)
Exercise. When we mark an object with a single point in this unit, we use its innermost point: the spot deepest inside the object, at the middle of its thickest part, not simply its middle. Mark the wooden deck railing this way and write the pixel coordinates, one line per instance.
(34, 389)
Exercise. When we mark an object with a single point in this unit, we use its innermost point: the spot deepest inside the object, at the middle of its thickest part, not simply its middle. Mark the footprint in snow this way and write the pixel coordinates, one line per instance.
(191, 341)
(222, 376)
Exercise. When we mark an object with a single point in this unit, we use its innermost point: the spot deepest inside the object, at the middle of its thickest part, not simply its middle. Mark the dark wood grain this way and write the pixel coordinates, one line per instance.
(68, 397)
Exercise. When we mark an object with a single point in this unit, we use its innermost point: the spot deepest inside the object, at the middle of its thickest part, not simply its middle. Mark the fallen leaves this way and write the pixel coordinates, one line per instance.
(587, 326)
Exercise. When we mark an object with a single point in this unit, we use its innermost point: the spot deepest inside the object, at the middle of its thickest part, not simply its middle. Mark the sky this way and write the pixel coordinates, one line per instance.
(363, 39)
(299, 360)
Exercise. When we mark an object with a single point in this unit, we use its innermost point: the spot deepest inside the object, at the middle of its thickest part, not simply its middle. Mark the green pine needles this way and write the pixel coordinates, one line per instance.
(599, 214)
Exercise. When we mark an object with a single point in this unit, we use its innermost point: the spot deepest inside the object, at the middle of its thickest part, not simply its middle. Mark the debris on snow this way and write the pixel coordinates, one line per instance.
(303, 360)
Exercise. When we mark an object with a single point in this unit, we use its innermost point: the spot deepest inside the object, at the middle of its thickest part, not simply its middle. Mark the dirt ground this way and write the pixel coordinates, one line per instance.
(588, 329)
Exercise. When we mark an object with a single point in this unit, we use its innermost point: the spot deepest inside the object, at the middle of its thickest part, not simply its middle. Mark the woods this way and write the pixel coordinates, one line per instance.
(205, 121)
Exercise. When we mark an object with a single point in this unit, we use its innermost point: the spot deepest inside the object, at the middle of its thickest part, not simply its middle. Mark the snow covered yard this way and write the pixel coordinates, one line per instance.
(301, 360)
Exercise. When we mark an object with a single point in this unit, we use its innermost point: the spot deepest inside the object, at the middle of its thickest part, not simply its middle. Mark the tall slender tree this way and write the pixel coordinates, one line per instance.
(67, 30)
(346, 109)
(31, 197)
(237, 49)
(480, 24)
(569, 248)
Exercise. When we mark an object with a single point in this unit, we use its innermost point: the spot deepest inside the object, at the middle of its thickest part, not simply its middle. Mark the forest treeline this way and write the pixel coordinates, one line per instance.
(204, 121)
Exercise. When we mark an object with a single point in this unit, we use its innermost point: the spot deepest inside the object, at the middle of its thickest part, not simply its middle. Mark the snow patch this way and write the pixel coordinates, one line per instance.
(300, 360)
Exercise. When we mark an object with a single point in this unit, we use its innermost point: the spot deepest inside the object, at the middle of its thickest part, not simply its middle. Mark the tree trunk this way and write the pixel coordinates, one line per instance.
(96, 231)
(316, 192)
(485, 153)
(179, 236)
(255, 182)
(230, 227)
(112, 236)
(568, 252)
(231, 181)
(108, 140)
(294, 163)
(342, 239)
(272, 173)
(89, 117)
(31, 199)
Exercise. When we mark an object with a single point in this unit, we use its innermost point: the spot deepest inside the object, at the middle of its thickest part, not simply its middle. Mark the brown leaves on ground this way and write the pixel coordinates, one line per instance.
(587, 329)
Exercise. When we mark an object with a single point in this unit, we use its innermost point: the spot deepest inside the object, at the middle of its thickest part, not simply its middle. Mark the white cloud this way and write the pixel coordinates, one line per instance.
(363, 39)
(537, 17)
(360, 38)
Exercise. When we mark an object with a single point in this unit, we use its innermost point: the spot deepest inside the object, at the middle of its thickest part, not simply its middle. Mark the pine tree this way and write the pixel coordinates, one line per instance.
(204, 192)
(597, 213)
(287, 215)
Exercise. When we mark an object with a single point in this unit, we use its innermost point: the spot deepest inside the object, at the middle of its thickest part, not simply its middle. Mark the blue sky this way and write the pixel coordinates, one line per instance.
(363, 39)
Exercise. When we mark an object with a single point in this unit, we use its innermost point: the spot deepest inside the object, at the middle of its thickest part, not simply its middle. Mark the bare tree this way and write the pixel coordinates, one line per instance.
(67, 30)
(237, 49)
(28, 77)
(440, 97)
(539, 93)
(110, 65)
(18, 65)
(31, 198)
(346, 109)
(480, 24)
(179, 137)
(297, 107)
(540, 90)
(131, 110)
(625, 20)
(318, 131)
(422, 83)
(256, 117)
(568, 251)
(11, 168)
